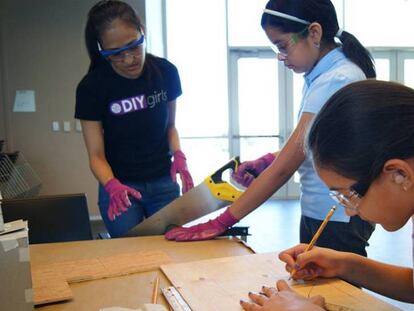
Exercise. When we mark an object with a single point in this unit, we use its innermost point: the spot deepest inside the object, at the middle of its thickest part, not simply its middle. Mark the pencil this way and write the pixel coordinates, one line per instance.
(317, 234)
(155, 291)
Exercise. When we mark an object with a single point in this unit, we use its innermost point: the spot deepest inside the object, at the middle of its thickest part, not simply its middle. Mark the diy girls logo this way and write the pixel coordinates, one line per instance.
(136, 103)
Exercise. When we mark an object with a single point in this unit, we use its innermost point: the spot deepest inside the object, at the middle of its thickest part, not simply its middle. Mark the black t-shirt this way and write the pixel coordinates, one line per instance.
(134, 116)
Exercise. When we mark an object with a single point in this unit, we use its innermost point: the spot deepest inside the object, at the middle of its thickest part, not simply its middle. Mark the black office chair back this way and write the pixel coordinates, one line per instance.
(51, 218)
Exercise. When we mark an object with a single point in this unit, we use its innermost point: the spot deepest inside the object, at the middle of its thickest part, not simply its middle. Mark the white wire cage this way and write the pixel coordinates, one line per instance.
(17, 178)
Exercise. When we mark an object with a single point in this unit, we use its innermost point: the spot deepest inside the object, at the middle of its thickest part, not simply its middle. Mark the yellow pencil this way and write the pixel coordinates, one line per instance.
(155, 291)
(317, 234)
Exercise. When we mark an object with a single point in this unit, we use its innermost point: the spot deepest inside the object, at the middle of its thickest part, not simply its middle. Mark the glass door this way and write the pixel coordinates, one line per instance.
(405, 60)
(394, 65)
(260, 116)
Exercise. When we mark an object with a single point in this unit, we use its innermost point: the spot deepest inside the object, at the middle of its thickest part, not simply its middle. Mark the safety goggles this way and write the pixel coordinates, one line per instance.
(133, 48)
(282, 52)
(351, 197)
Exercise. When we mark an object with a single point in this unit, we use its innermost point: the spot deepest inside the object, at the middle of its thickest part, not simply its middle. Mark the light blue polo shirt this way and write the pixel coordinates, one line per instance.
(332, 72)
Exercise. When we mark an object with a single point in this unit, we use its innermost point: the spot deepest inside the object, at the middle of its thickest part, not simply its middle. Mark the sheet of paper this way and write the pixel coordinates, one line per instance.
(24, 101)
(14, 226)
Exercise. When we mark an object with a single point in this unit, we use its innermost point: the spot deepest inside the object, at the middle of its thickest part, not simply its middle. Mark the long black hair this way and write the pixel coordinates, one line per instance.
(323, 12)
(362, 126)
(100, 17)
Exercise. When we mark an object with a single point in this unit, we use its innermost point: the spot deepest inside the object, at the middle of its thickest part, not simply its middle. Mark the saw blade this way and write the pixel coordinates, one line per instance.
(194, 204)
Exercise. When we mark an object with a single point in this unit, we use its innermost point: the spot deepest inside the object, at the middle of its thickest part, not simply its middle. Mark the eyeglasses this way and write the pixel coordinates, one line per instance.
(282, 52)
(352, 199)
(134, 48)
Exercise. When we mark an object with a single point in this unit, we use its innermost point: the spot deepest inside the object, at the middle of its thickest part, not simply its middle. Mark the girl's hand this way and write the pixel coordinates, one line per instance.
(318, 262)
(282, 298)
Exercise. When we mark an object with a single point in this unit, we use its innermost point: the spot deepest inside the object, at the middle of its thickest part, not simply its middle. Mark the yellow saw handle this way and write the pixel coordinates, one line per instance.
(221, 189)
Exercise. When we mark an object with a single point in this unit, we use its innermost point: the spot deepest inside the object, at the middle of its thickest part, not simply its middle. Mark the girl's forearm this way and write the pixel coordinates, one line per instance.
(388, 280)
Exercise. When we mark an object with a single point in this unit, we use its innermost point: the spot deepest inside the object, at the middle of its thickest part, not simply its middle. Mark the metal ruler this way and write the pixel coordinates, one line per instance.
(174, 298)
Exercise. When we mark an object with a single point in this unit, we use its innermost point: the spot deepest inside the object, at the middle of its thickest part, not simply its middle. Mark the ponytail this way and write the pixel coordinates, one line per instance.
(91, 41)
(357, 53)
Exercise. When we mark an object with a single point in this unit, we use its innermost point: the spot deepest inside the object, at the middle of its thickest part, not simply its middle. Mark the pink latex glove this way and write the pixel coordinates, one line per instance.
(204, 231)
(118, 197)
(179, 165)
(249, 170)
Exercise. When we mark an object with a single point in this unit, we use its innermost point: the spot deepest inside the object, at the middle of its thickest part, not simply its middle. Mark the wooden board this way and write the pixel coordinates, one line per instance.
(50, 282)
(49, 286)
(209, 284)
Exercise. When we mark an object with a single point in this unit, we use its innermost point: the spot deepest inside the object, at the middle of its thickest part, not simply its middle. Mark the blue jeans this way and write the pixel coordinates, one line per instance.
(349, 236)
(156, 194)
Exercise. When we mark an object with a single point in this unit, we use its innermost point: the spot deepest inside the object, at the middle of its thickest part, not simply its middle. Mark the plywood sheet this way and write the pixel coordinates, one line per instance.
(50, 282)
(223, 282)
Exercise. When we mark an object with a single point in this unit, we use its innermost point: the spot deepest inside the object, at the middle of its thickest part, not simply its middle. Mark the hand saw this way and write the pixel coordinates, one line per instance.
(210, 195)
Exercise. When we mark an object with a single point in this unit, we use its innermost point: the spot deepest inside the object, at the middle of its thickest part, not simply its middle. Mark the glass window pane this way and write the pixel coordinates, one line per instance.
(258, 96)
(380, 22)
(205, 156)
(244, 23)
(258, 106)
(252, 148)
(409, 72)
(196, 44)
(382, 66)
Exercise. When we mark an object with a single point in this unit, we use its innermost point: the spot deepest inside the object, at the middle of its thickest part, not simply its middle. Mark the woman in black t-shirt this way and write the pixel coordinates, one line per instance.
(126, 103)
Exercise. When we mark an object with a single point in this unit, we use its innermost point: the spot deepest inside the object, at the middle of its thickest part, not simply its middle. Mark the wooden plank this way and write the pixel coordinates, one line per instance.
(222, 282)
(49, 286)
(50, 281)
(128, 263)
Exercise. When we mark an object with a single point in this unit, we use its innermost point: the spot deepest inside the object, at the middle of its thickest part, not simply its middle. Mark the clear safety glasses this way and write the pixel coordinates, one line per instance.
(282, 50)
(350, 198)
(134, 48)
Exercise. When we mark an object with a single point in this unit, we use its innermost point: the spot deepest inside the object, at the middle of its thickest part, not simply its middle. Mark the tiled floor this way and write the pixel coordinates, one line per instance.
(275, 226)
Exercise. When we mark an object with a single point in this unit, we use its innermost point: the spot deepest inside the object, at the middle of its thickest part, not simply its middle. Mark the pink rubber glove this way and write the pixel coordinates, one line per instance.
(249, 170)
(204, 231)
(118, 197)
(179, 165)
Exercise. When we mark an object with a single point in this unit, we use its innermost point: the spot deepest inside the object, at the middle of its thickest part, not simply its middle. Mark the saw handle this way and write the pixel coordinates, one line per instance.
(233, 164)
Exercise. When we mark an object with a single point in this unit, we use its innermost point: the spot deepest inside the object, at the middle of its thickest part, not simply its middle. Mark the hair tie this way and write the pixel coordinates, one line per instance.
(339, 33)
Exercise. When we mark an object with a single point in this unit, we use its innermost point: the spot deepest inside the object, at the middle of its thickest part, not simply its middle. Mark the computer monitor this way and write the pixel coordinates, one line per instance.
(51, 218)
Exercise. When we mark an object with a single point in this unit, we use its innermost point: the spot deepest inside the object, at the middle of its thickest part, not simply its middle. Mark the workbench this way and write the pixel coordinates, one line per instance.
(208, 272)
(130, 291)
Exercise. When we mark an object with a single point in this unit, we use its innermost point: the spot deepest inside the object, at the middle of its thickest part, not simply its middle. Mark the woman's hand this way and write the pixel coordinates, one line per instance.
(282, 298)
(318, 262)
(179, 166)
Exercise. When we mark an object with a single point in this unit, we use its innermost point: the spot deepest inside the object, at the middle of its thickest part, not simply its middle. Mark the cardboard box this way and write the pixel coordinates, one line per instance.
(16, 283)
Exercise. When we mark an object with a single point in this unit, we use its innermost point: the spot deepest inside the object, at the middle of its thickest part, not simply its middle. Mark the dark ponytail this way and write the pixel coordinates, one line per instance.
(91, 41)
(362, 126)
(357, 53)
(322, 12)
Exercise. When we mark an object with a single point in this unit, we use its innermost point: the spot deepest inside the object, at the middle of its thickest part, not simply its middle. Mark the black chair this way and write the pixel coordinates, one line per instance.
(51, 218)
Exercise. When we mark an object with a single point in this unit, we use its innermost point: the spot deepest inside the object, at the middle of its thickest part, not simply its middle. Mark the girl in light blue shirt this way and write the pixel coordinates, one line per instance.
(303, 33)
